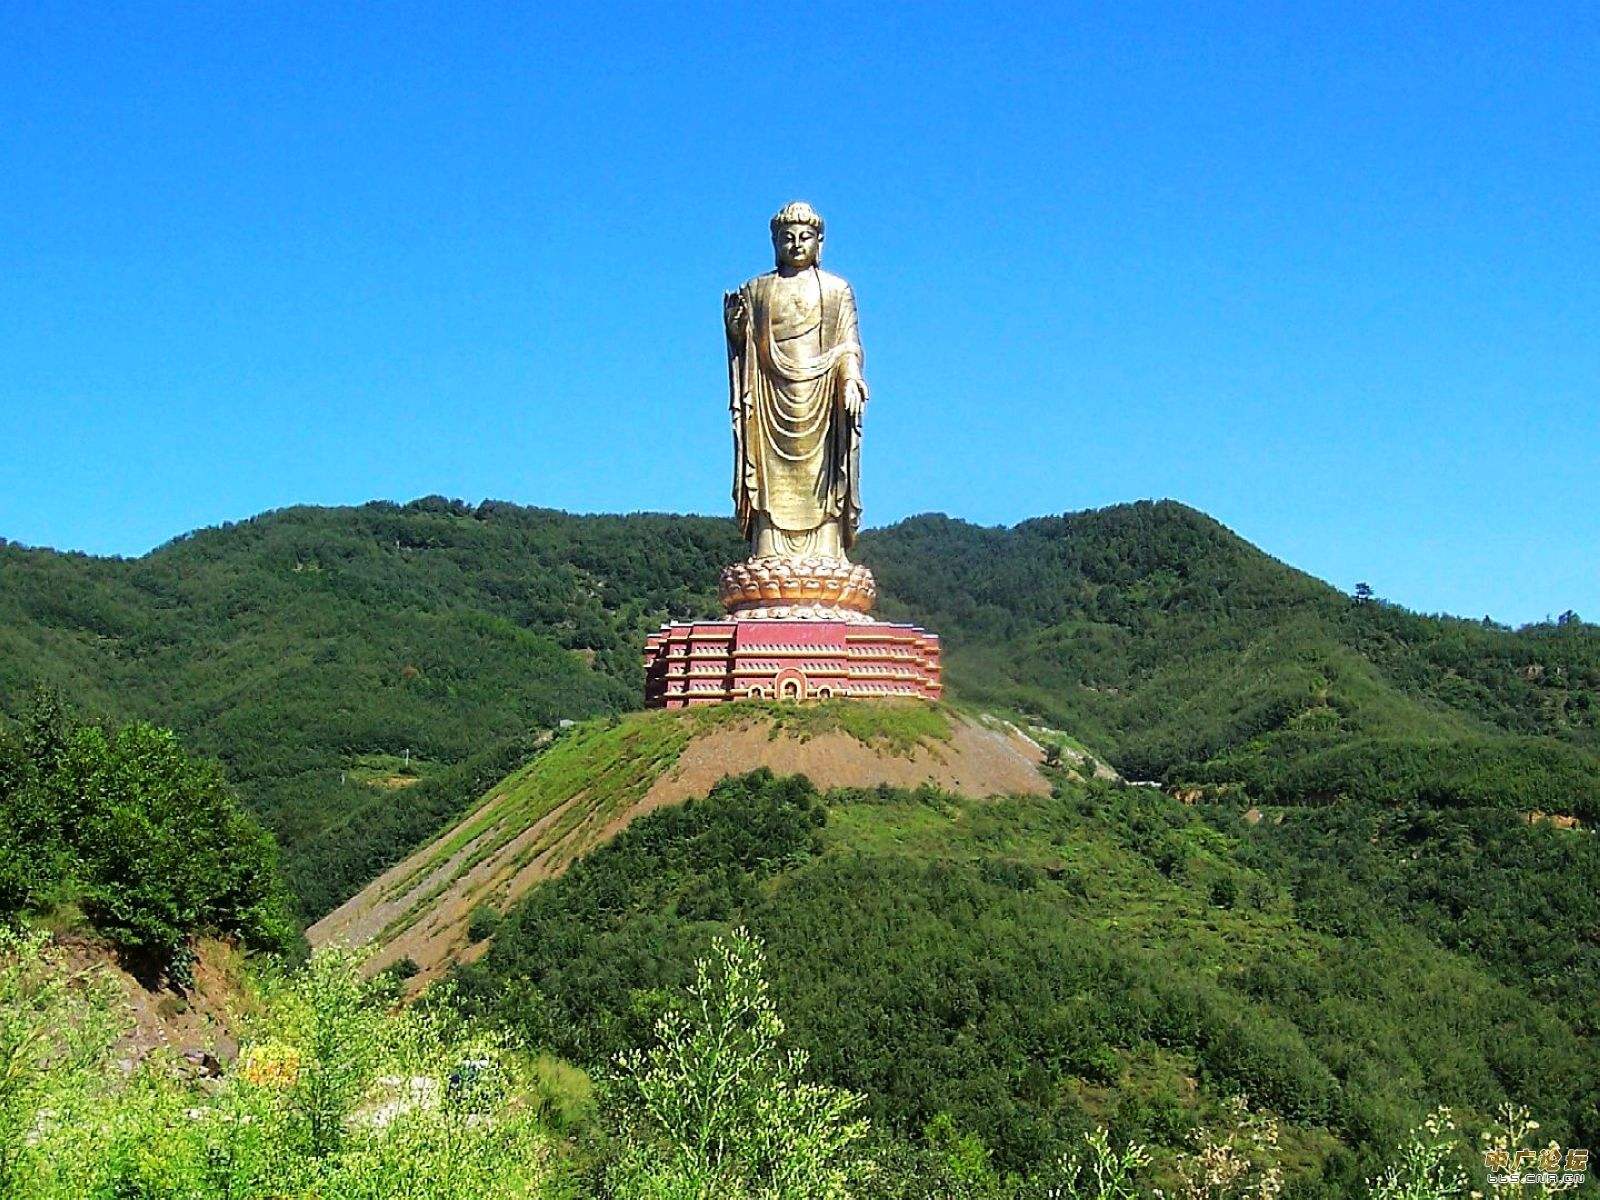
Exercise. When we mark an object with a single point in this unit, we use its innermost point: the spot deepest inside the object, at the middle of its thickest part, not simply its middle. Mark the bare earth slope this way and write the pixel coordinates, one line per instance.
(198, 1021)
(594, 780)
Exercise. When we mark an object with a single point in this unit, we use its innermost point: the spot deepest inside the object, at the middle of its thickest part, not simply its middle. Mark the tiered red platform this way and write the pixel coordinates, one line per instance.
(713, 662)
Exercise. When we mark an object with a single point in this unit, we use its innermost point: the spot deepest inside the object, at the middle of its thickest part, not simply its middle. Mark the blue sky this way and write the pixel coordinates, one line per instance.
(1328, 272)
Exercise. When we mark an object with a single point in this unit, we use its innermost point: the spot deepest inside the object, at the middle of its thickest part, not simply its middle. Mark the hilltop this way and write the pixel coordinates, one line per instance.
(595, 779)
(1011, 952)
(366, 673)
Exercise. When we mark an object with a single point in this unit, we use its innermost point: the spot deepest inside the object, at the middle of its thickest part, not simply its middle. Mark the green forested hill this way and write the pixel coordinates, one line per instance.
(1024, 969)
(1353, 919)
(364, 672)
(1156, 633)
(315, 651)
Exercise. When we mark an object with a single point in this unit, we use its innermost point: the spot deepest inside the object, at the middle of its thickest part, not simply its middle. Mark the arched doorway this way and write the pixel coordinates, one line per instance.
(790, 685)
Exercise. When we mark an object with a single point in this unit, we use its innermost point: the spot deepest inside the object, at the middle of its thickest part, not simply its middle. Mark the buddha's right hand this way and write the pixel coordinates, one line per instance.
(735, 312)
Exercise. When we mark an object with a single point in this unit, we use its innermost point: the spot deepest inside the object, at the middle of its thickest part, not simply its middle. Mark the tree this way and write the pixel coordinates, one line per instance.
(1363, 593)
(718, 1109)
(151, 842)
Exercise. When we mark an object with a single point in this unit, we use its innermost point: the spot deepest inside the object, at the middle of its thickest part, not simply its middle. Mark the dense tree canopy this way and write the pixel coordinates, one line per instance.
(1030, 968)
(148, 842)
(305, 646)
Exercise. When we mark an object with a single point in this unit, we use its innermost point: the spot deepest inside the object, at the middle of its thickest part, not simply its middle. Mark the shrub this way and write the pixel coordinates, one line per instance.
(152, 843)
(334, 1095)
(56, 1028)
(1425, 1167)
(718, 1107)
(483, 923)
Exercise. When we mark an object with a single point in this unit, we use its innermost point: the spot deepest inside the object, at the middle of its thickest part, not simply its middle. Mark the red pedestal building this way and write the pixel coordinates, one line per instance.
(713, 662)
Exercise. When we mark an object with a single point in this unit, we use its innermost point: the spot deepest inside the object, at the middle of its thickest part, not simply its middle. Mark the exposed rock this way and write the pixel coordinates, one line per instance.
(1559, 820)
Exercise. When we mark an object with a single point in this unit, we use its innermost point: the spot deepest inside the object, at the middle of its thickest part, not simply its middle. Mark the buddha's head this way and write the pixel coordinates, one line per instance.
(797, 236)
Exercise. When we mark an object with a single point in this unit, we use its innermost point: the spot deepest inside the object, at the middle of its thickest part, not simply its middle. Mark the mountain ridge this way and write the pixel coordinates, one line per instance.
(307, 645)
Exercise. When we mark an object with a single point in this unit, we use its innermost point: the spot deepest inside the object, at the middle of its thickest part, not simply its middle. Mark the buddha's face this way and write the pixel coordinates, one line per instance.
(797, 246)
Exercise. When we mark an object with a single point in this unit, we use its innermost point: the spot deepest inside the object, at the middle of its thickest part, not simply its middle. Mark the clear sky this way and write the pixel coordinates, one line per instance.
(1329, 272)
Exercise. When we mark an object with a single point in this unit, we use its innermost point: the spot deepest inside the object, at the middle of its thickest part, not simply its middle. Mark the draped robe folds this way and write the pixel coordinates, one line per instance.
(797, 453)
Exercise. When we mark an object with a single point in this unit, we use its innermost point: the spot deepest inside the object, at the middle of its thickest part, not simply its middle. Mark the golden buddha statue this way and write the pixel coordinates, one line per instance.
(797, 397)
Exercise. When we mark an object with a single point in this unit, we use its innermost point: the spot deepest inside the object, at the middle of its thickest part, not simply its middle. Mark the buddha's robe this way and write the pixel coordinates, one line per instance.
(797, 453)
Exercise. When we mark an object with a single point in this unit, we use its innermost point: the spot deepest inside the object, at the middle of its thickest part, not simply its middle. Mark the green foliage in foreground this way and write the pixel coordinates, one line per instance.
(1029, 969)
(339, 1095)
(717, 1108)
(335, 1096)
(56, 1031)
(149, 842)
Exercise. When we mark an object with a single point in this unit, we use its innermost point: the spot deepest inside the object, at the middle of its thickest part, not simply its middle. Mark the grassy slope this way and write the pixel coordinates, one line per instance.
(611, 764)
(571, 795)
(605, 767)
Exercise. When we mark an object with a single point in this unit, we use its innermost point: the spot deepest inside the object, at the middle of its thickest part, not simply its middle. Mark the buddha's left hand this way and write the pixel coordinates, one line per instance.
(855, 398)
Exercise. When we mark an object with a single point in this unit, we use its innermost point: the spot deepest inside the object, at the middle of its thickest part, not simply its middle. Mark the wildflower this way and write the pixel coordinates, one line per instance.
(272, 1065)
